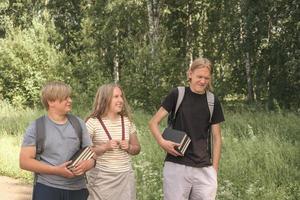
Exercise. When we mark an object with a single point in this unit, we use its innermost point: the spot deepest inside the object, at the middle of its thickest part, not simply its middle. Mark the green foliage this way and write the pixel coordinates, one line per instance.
(266, 31)
(148, 163)
(9, 115)
(27, 60)
(259, 155)
(9, 158)
(253, 45)
(153, 79)
(258, 148)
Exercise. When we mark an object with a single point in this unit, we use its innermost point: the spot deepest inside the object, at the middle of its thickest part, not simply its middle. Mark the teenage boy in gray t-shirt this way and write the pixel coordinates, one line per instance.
(54, 180)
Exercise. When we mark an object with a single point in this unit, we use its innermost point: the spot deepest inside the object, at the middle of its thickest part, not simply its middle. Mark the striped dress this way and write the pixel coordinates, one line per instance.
(116, 160)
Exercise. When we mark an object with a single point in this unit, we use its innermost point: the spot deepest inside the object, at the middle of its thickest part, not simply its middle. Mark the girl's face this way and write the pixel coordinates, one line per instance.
(117, 102)
(199, 79)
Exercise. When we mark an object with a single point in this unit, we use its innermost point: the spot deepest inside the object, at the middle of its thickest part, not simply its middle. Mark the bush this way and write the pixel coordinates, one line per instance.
(27, 60)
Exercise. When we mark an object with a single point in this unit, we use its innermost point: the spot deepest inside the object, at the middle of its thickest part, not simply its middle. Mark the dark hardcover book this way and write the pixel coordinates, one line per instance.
(179, 137)
(82, 154)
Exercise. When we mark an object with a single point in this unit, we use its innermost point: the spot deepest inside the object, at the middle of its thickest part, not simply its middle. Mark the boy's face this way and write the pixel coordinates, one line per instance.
(199, 79)
(61, 106)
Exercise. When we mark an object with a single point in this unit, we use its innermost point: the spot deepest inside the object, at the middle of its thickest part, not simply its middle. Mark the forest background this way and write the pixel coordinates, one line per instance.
(147, 47)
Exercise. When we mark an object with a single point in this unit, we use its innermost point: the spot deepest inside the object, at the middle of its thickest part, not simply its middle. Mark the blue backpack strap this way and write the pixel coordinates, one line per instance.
(76, 125)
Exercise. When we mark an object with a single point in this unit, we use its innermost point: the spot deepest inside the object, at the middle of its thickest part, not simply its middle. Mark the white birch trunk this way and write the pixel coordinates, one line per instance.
(153, 20)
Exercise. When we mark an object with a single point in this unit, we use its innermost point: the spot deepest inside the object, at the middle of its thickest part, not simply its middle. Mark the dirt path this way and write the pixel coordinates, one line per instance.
(12, 189)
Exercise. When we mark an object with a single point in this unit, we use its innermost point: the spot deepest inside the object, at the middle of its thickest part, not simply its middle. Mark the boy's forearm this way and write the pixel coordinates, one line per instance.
(33, 165)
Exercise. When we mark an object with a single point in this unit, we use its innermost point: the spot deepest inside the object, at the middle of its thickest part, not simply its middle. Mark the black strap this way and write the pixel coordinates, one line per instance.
(40, 136)
(76, 125)
(106, 131)
(40, 141)
(123, 128)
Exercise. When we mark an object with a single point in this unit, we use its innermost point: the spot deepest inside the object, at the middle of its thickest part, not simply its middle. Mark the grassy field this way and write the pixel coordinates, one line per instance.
(260, 158)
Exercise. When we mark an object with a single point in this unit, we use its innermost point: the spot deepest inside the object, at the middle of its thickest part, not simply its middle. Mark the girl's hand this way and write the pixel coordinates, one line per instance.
(124, 144)
(112, 144)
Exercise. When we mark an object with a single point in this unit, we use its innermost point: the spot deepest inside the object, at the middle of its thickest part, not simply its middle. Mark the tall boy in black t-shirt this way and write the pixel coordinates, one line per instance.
(192, 176)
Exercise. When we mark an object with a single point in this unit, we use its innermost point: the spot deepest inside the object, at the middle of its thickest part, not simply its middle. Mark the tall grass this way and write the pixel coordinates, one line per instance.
(260, 154)
(260, 157)
(12, 126)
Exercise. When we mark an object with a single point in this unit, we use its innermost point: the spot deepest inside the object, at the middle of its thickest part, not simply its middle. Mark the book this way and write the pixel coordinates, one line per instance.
(179, 137)
(85, 153)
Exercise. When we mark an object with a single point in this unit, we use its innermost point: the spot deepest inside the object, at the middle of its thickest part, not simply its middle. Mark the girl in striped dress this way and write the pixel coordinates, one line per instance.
(114, 137)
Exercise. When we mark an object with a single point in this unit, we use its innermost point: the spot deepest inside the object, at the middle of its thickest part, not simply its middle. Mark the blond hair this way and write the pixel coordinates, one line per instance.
(201, 63)
(103, 99)
(54, 90)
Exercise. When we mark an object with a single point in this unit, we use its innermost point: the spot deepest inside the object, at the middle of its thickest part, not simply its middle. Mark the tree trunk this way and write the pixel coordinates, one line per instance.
(189, 38)
(116, 61)
(250, 93)
(153, 20)
(116, 69)
(246, 47)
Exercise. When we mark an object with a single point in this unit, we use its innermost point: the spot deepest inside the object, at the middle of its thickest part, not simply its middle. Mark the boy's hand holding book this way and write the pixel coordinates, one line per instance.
(169, 147)
(79, 161)
(179, 141)
(83, 166)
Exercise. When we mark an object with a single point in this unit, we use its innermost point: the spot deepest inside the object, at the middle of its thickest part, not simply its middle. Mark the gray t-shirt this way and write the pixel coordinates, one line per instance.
(61, 143)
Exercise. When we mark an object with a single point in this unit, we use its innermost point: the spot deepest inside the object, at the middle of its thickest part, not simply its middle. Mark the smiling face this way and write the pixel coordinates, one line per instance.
(199, 79)
(117, 102)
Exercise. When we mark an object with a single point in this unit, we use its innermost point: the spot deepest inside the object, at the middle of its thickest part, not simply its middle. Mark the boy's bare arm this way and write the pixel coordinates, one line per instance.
(28, 162)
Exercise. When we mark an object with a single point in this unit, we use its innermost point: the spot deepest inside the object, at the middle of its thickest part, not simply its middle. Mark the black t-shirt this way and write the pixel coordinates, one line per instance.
(193, 118)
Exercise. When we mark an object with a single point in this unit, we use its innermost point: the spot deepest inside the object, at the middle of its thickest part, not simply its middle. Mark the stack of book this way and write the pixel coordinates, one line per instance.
(179, 137)
(85, 153)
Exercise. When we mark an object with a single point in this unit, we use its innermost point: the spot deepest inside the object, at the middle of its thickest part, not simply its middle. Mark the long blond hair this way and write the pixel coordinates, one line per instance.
(201, 63)
(103, 99)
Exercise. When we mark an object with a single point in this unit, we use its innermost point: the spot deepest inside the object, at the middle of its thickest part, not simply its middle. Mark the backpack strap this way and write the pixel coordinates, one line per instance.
(107, 132)
(104, 128)
(40, 140)
(209, 96)
(211, 102)
(76, 125)
(40, 136)
(181, 91)
(172, 115)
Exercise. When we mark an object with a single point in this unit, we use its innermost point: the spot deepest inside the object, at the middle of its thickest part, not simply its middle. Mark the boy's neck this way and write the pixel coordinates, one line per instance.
(57, 118)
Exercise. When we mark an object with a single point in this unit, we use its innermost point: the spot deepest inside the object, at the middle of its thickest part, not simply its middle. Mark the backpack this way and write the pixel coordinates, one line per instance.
(210, 101)
(40, 135)
(40, 132)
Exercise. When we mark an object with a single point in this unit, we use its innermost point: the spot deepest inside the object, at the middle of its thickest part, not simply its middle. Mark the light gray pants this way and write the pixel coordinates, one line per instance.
(182, 182)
